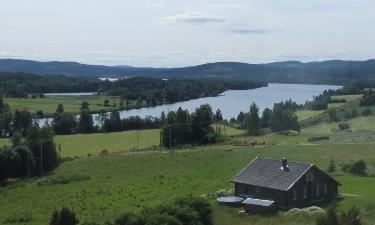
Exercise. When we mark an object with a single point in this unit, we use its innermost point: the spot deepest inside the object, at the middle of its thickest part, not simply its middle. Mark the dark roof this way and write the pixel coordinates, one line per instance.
(258, 202)
(269, 173)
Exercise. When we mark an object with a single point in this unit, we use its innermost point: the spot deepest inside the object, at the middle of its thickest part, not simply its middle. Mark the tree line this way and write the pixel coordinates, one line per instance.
(11, 123)
(281, 117)
(19, 85)
(160, 91)
(67, 123)
(183, 128)
(140, 89)
(31, 155)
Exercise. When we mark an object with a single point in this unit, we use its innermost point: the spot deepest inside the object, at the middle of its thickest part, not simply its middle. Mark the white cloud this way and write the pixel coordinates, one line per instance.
(196, 18)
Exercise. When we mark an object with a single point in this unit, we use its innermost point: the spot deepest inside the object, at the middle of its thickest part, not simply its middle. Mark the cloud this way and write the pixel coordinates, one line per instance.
(252, 31)
(199, 18)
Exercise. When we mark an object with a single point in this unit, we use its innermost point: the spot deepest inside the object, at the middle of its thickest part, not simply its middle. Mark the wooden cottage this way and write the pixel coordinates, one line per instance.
(281, 184)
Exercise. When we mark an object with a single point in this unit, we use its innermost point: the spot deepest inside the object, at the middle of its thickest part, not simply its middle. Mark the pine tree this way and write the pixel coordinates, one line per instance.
(332, 166)
(254, 121)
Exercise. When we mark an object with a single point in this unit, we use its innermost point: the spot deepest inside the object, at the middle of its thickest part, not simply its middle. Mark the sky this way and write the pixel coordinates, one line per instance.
(176, 33)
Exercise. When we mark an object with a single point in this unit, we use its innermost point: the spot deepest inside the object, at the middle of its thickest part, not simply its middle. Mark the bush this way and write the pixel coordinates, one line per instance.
(104, 152)
(64, 217)
(332, 115)
(367, 112)
(183, 211)
(351, 217)
(332, 217)
(332, 166)
(318, 138)
(343, 126)
(358, 168)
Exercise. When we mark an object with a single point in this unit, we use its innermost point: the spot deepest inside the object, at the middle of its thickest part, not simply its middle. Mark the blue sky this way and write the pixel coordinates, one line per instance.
(170, 33)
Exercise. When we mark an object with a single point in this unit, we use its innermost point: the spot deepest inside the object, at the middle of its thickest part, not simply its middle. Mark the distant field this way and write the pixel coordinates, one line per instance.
(49, 104)
(229, 131)
(306, 114)
(103, 187)
(348, 98)
(84, 144)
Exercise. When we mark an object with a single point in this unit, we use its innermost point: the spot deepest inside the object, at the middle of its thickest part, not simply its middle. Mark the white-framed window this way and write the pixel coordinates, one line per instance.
(305, 192)
(295, 195)
(325, 189)
(317, 190)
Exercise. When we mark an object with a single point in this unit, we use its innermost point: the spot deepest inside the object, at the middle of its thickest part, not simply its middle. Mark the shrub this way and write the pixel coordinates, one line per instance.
(332, 166)
(350, 217)
(332, 115)
(331, 217)
(183, 211)
(104, 152)
(367, 112)
(343, 126)
(64, 217)
(358, 168)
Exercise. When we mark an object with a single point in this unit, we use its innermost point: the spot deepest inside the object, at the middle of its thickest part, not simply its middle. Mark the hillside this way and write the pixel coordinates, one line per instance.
(333, 71)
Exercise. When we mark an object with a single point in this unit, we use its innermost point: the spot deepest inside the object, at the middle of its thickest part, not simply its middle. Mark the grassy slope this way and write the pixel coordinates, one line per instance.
(84, 144)
(128, 182)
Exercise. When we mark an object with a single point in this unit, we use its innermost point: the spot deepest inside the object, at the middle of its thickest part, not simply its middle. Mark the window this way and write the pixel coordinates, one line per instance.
(309, 177)
(305, 192)
(325, 189)
(295, 195)
(317, 190)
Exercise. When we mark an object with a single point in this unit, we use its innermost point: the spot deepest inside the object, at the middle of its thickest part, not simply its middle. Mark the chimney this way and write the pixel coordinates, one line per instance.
(284, 164)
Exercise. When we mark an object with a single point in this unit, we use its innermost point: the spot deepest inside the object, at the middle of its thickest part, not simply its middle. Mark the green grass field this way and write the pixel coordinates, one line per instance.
(103, 187)
(72, 104)
(348, 98)
(84, 144)
(80, 145)
(306, 114)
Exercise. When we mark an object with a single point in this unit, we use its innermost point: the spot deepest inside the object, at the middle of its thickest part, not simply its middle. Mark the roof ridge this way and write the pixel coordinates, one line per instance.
(288, 161)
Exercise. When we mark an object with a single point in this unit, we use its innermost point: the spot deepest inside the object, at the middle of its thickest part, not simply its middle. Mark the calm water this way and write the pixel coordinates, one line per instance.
(232, 102)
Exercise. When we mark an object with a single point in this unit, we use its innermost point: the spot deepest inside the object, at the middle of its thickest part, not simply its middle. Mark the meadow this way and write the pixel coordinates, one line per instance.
(81, 145)
(72, 104)
(102, 187)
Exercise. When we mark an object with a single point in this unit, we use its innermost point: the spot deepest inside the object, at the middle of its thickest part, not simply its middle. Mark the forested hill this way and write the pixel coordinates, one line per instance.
(136, 88)
(334, 71)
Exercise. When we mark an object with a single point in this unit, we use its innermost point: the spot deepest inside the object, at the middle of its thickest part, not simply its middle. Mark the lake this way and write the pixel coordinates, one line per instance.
(234, 101)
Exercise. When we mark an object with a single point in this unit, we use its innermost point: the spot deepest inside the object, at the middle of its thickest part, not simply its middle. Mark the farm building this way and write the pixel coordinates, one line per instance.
(268, 183)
